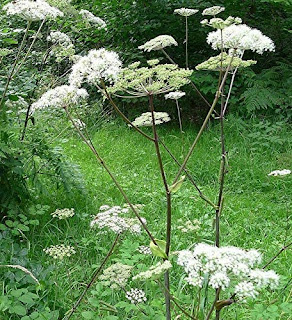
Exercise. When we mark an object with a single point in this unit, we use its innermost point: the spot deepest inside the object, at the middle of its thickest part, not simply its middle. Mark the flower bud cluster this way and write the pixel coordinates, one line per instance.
(158, 43)
(117, 275)
(60, 251)
(188, 226)
(112, 218)
(175, 95)
(223, 61)
(62, 214)
(136, 296)
(212, 11)
(145, 120)
(218, 23)
(154, 272)
(185, 12)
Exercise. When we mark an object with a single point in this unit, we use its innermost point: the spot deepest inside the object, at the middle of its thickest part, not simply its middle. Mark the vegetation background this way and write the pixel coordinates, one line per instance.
(52, 169)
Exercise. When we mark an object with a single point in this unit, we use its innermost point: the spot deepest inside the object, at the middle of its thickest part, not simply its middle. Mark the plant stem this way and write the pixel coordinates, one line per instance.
(168, 200)
(187, 58)
(218, 94)
(214, 304)
(179, 117)
(93, 278)
(101, 161)
(202, 196)
(276, 255)
(11, 74)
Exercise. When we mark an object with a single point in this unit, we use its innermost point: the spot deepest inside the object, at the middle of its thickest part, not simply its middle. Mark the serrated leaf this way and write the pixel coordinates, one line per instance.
(176, 186)
(158, 249)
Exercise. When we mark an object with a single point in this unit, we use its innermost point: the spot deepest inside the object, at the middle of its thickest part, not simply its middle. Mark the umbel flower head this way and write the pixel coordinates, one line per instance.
(154, 272)
(218, 23)
(112, 218)
(152, 80)
(226, 267)
(63, 47)
(185, 12)
(90, 17)
(60, 251)
(32, 10)
(240, 37)
(222, 61)
(145, 120)
(136, 296)
(62, 214)
(158, 43)
(175, 95)
(117, 275)
(60, 97)
(212, 11)
(98, 65)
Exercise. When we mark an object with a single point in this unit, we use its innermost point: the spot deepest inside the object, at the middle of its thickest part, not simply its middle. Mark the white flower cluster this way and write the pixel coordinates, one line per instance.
(175, 95)
(63, 213)
(32, 10)
(80, 124)
(212, 11)
(283, 172)
(111, 218)
(185, 12)
(144, 250)
(154, 272)
(218, 23)
(241, 37)
(158, 43)
(145, 120)
(60, 251)
(136, 296)
(63, 46)
(188, 226)
(224, 264)
(90, 17)
(151, 63)
(61, 96)
(98, 64)
(116, 275)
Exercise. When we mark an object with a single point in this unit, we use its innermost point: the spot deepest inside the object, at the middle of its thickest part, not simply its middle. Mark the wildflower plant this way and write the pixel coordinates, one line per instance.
(218, 269)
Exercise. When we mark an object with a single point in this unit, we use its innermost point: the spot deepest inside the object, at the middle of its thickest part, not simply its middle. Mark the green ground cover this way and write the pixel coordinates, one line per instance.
(255, 215)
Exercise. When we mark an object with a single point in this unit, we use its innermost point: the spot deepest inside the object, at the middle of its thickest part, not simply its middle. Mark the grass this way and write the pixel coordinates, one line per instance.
(256, 212)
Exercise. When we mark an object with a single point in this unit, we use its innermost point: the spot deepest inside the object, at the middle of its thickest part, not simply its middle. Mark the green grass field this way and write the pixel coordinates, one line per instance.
(256, 213)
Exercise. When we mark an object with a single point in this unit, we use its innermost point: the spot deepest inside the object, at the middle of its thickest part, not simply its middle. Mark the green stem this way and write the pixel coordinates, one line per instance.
(187, 58)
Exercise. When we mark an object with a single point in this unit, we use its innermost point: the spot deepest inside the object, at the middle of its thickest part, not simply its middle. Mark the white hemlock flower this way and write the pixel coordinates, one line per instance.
(32, 10)
(185, 12)
(112, 218)
(158, 43)
(90, 17)
(144, 250)
(62, 214)
(145, 120)
(136, 296)
(154, 272)
(63, 47)
(212, 11)
(59, 97)
(175, 95)
(117, 275)
(227, 267)
(283, 172)
(241, 37)
(59, 252)
(98, 65)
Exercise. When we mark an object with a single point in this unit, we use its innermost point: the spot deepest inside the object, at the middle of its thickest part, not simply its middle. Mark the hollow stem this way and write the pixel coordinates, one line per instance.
(168, 200)
(187, 58)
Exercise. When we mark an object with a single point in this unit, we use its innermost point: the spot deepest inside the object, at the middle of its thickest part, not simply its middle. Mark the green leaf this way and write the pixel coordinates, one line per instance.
(18, 309)
(10, 41)
(176, 186)
(159, 249)
(87, 314)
